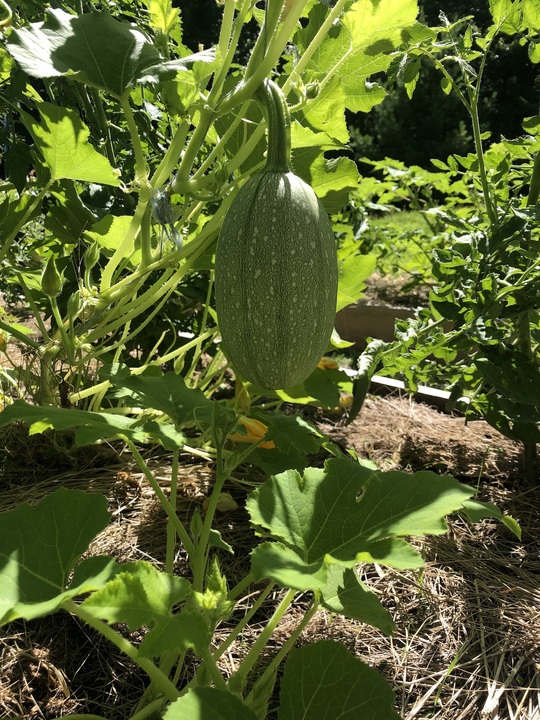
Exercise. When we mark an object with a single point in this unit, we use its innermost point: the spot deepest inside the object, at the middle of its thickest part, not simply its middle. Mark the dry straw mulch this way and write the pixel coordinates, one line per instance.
(467, 639)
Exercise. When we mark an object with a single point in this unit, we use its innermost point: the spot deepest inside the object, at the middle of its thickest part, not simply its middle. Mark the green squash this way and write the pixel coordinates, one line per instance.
(276, 269)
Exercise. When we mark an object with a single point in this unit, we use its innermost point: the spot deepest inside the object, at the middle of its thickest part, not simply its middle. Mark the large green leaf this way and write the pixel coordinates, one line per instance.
(323, 681)
(348, 513)
(90, 426)
(353, 51)
(208, 704)
(139, 595)
(62, 139)
(39, 547)
(74, 45)
(166, 393)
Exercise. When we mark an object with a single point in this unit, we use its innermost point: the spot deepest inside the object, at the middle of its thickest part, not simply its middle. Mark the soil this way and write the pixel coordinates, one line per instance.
(467, 639)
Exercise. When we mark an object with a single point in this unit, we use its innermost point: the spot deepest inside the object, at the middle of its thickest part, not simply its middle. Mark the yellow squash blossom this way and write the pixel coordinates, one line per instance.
(327, 363)
(255, 431)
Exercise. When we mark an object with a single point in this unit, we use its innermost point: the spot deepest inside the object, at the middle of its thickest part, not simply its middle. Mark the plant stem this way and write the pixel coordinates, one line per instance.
(315, 44)
(153, 672)
(146, 239)
(534, 187)
(228, 55)
(68, 344)
(492, 215)
(212, 669)
(154, 707)
(170, 160)
(171, 531)
(202, 546)
(258, 646)
(279, 127)
(235, 632)
(169, 509)
(245, 90)
(103, 124)
(285, 649)
(125, 247)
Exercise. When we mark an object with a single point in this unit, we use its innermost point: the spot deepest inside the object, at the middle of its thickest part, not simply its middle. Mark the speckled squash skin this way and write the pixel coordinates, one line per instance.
(276, 280)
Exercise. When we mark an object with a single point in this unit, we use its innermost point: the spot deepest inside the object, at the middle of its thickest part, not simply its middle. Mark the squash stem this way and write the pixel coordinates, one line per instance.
(278, 157)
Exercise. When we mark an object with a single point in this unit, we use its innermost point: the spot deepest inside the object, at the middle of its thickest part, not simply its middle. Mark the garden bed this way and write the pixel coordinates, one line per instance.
(467, 637)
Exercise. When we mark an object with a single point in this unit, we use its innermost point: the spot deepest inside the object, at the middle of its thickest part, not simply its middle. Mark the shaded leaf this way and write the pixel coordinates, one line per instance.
(323, 681)
(90, 426)
(294, 438)
(166, 393)
(345, 594)
(208, 704)
(275, 560)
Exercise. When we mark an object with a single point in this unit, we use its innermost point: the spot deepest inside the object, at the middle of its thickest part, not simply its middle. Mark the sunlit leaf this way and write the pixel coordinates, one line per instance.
(353, 271)
(39, 547)
(348, 513)
(62, 139)
(139, 595)
(72, 45)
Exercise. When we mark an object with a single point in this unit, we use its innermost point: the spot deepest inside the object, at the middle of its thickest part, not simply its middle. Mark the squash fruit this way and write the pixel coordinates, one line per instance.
(276, 269)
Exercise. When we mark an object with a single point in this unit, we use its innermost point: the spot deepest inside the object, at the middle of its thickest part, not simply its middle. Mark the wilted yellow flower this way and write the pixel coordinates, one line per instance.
(327, 363)
(255, 431)
(345, 401)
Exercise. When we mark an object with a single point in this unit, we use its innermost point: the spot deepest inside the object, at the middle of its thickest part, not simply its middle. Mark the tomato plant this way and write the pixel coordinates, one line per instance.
(481, 333)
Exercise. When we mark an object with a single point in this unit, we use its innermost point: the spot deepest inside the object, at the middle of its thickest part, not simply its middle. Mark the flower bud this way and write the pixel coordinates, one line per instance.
(51, 280)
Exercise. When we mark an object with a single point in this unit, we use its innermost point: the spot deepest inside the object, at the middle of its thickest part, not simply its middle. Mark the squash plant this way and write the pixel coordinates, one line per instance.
(316, 525)
(136, 155)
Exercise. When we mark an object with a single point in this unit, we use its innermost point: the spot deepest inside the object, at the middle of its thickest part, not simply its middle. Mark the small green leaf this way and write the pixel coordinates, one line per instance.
(323, 681)
(215, 540)
(139, 595)
(208, 704)
(475, 510)
(345, 594)
(352, 273)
